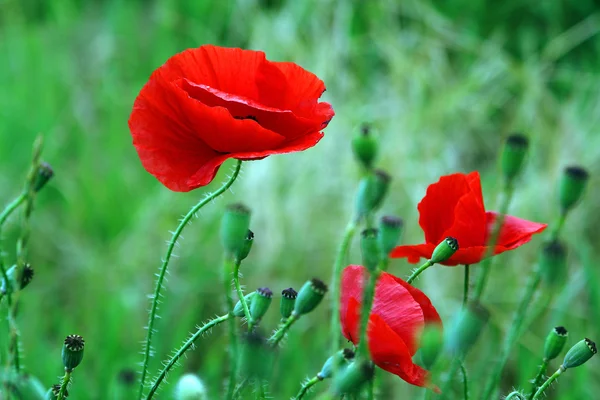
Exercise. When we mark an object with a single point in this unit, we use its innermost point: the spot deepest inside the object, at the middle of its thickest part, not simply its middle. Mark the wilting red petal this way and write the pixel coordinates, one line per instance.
(515, 231)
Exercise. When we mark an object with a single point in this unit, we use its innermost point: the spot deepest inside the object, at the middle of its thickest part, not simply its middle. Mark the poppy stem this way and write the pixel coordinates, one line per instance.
(282, 330)
(552, 378)
(465, 379)
(66, 380)
(306, 387)
(233, 339)
(418, 271)
(365, 312)
(539, 378)
(163, 269)
(466, 286)
(240, 292)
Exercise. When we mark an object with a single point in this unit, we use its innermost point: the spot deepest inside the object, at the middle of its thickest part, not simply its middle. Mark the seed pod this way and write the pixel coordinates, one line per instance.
(466, 327)
(351, 378)
(572, 185)
(553, 263)
(390, 230)
(288, 300)
(234, 230)
(248, 241)
(371, 192)
(365, 146)
(190, 387)
(238, 310)
(336, 361)
(579, 353)
(309, 296)
(72, 352)
(260, 303)
(369, 244)
(44, 173)
(431, 343)
(555, 343)
(444, 250)
(513, 155)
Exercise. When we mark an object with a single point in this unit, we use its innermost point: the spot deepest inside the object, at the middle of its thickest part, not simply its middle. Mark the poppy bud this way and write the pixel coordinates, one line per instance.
(234, 230)
(390, 229)
(371, 192)
(336, 361)
(288, 300)
(579, 354)
(26, 277)
(553, 263)
(444, 250)
(260, 303)
(431, 343)
(369, 245)
(466, 328)
(190, 387)
(256, 357)
(72, 351)
(555, 343)
(364, 145)
(44, 173)
(309, 296)
(572, 185)
(515, 396)
(238, 310)
(351, 378)
(513, 155)
(248, 241)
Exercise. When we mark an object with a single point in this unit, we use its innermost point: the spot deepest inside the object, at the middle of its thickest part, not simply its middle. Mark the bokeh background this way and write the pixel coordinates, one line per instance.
(442, 81)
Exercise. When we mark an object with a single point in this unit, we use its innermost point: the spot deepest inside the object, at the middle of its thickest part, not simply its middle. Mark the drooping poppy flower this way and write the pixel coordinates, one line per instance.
(398, 314)
(208, 104)
(453, 206)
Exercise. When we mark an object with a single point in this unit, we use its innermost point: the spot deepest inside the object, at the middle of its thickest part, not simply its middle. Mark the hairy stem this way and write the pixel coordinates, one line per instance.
(365, 312)
(64, 385)
(233, 339)
(306, 387)
(240, 293)
(282, 330)
(542, 388)
(539, 378)
(418, 271)
(465, 380)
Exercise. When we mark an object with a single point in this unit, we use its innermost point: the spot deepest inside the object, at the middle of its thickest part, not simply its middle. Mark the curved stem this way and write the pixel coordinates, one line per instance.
(165, 264)
(233, 340)
(282, 330)
(189, 343)
(552, 378)
(306, 387)
(418, 271)
(466, 286)
(12, 206)
(64, 385)
(240, 293)
(539, 378)
(465, 380)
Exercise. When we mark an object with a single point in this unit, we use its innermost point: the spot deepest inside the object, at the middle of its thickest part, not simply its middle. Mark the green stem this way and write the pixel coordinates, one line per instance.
(371, 388)
(447, 388)
(259, 390)
(12, 206)
(181, 351)
(239, 388)
(559, 225)
(465, 380)
(552, 378)
(240, 293)
(466, 286)
(165, 264)
(306, 387)
(539, 378)
(64, 385)
(418, 271)
(365, 312)
(282, 330)
(233, 339)
(8, 210)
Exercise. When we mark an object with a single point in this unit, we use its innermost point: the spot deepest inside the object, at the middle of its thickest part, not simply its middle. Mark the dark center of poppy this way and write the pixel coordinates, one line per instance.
(252, 117)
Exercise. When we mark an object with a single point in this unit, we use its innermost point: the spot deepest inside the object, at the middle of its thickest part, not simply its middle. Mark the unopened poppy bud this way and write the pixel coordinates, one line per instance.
(572, 185)
(444, 250)
(309, 296)
(260, 303)
(369, 245)
(432, 341)
(390, 229)
(335, 362)
(351, 378)
(371, 192)
(553, 263)
(513, 155)
(256, 357)
(579, 354)
(25, 279)
(248, 241)
(190, 387)
(44, 173)
(288, 300)
(234, 229)
(72, 351)
(466, 328)
(365, 146)
(555, 343)
(238, 310)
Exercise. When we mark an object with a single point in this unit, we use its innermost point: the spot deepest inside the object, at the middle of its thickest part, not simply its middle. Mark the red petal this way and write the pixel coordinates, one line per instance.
(430, 313)
(303, 90)
(350, 319)
(515, 231)
(413, 253)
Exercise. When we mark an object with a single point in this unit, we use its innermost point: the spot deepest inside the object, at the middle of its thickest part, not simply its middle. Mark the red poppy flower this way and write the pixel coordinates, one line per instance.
(209, 104)
(454, 207)
(399, 312)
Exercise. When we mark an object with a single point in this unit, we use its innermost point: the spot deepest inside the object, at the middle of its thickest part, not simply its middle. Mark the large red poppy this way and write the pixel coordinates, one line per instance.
(209, 104)
(399, 313)
(454, 207)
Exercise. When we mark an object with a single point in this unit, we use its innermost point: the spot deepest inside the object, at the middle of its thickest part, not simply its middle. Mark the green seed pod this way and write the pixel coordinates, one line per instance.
(309, 296)
(25, 279)
(555, 343)
(431, 343)
(234, 230)
(256, 356)
(572, 185)
(513, 155)
(190, 387)
(466, 327)
(390, 230)
(248, 241)
(351, 378)
(365, 146)
(288, 300)
(444, 250)
(44, 173)
(553, 263)
(72, 351)
(371, 192)
(238, 310)
(369, 245)
(579, 354)
(336, 361)
(260, 303)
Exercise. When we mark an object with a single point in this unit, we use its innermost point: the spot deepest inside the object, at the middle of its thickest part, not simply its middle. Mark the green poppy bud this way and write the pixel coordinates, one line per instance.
(365, 145)
(513, 155)
(25, 279)
(431, 343)
(555, 343)
(336, 361)
(371, 192)
(572, 185)
(248, 241)
(466, 327)
(238, 310)
(579, 354)
(234, 230)
(390, 229)
(256, 356)
(444, 250)
(369, 244)
(44, 173)
(190, 387)
(351, 378)
(553, 263)
(72, 352)
(309, 296)
(288, 300)
(260, 303)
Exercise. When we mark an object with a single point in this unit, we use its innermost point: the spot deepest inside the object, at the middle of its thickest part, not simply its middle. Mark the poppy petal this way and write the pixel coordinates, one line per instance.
(413, 253)
(429, 312)
(469, 225)
(515, 231)
(350, 320)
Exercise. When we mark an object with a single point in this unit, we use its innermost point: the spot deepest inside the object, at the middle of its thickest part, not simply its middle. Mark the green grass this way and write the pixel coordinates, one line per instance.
(444, 82)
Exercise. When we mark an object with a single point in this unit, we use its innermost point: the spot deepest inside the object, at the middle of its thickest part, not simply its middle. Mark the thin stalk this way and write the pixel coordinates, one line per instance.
(539, 378)
(282, 330)
(240, 293)
(418, 271)
(365, 312)
(466, 286)
(306, 387)
(465, 380)
(447, 388)
(552, 378)
(181, 351)
(233, 339)
(165, 264)
(371, 388)
(64, 385)
(11, 207)
(259, 390)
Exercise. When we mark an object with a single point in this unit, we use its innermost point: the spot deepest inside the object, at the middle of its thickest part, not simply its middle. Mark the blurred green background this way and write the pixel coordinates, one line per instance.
(443, 81)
